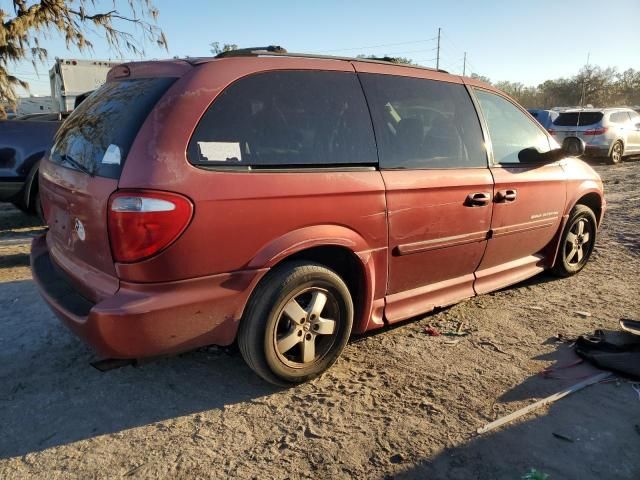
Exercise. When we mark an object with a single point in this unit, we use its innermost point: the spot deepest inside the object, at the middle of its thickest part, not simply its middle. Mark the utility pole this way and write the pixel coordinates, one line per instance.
(464, 64)
(438, 54)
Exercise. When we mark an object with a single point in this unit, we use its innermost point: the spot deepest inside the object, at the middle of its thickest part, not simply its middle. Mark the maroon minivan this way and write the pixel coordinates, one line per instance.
(286, 201)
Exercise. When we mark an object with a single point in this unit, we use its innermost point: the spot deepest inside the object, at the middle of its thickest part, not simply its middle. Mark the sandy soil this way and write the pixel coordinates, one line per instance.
(398, 404)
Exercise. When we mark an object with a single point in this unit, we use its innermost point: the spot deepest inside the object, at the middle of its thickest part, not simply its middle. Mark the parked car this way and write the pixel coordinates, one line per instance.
(544, 117)
(41, 117)
(23, 143)
(285, 201)
(613, 133)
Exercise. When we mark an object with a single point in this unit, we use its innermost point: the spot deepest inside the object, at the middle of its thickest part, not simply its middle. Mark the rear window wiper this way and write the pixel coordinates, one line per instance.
(71, 161)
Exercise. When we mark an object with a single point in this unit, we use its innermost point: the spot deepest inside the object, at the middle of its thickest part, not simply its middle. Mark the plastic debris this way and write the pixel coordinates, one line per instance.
(534, 474)
(432, 331)
(636, 388)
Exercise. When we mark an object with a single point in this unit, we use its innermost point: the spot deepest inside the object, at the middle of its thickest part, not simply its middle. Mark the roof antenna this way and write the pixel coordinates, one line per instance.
(584, 87)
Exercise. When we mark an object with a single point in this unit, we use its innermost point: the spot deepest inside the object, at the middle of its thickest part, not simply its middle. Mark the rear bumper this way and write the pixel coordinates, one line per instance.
(143, 320)
(597, 150)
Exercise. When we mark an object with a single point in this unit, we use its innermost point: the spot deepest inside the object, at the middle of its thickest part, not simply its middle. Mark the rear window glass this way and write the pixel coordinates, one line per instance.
(98, 134)
(286, 119)
(577, 119)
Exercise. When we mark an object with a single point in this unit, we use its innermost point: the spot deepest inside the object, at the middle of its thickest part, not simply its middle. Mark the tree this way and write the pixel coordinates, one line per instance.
(227, 47)
(24, 30)
(627, 87)
(481, 78)
(400, 60)
(592, 85)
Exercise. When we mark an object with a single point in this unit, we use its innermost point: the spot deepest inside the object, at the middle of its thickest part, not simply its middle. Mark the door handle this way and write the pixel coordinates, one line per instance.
(504, 196)
(478, 199)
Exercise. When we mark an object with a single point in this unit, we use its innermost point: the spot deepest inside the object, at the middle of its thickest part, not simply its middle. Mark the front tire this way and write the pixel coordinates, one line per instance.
(577, 242)
(296, 323)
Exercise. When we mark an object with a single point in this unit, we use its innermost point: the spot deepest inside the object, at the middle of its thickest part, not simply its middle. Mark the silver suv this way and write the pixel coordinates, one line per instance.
(607, 132)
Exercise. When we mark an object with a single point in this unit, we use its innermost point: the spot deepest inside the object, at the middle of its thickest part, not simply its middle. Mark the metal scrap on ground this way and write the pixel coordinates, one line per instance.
(545, 401)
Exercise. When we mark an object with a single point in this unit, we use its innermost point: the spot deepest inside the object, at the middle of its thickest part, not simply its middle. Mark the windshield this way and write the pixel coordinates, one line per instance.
(98, 134)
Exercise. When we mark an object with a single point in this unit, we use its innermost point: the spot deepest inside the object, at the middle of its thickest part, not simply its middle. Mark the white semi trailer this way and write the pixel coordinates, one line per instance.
(70, 78)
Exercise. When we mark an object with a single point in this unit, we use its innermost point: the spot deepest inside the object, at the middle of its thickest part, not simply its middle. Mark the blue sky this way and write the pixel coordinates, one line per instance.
(526, 42)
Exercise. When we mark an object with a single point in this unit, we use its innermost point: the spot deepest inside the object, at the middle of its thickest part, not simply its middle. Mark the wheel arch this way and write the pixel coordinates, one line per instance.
(620, 140)
(343, 250)
(593, 199)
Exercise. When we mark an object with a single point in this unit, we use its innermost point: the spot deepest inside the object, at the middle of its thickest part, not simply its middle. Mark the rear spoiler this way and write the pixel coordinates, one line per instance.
(156, 68)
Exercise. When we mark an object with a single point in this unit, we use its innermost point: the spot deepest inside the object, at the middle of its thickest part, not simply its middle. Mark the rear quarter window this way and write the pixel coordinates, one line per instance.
(97, 136)
(619, 117)
(286, 119)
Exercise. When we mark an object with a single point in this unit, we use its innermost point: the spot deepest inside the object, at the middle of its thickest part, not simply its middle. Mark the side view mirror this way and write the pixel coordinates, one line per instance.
(637, 126)
(571, 147)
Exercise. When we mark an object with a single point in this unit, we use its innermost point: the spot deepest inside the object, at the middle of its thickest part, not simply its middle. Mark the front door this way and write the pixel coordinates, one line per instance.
(438, 188)
(529, 198)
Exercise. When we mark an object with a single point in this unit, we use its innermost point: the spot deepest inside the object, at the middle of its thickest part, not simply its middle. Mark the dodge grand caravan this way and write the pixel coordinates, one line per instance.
(285, 201)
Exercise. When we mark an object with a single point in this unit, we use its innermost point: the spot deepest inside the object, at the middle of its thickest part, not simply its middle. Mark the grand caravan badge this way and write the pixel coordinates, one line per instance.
(79, 228)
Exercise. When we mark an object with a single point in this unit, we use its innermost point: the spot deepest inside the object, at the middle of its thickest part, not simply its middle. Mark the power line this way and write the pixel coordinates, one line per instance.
(453, 44)
(403, 52)
(465, 58)
(422, 61)
(379, 46)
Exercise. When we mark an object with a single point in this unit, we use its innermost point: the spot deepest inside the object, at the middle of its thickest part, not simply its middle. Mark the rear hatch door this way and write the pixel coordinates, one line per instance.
(574, 124)
(83, 170)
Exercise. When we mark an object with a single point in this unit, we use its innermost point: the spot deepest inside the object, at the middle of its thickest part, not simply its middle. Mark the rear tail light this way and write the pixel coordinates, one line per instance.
(143, 223)
(596, 131)
(551, 131)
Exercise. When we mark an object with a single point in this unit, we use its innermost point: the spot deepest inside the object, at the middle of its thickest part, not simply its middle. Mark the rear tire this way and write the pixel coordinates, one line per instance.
(577, 242)
(296, 323)
(617, 150)
(37, 207)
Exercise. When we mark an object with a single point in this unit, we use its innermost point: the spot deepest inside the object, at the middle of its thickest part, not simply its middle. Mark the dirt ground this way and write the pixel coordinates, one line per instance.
(398, 404)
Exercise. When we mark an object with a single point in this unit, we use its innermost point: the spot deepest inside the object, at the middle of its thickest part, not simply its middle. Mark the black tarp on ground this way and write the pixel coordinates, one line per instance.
(611, 350)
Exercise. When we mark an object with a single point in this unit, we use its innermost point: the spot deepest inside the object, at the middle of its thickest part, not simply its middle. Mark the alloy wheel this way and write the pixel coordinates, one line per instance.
(306, 327)
(616, 153)
(578, 242)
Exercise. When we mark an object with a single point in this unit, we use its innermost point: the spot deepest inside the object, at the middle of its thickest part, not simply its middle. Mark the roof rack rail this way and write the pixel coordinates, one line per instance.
(251, 51)
(276, 50)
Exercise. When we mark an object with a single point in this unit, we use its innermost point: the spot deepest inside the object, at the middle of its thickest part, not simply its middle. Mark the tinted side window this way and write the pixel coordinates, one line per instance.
(424, 123)
(511, 131)
(286, 118)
